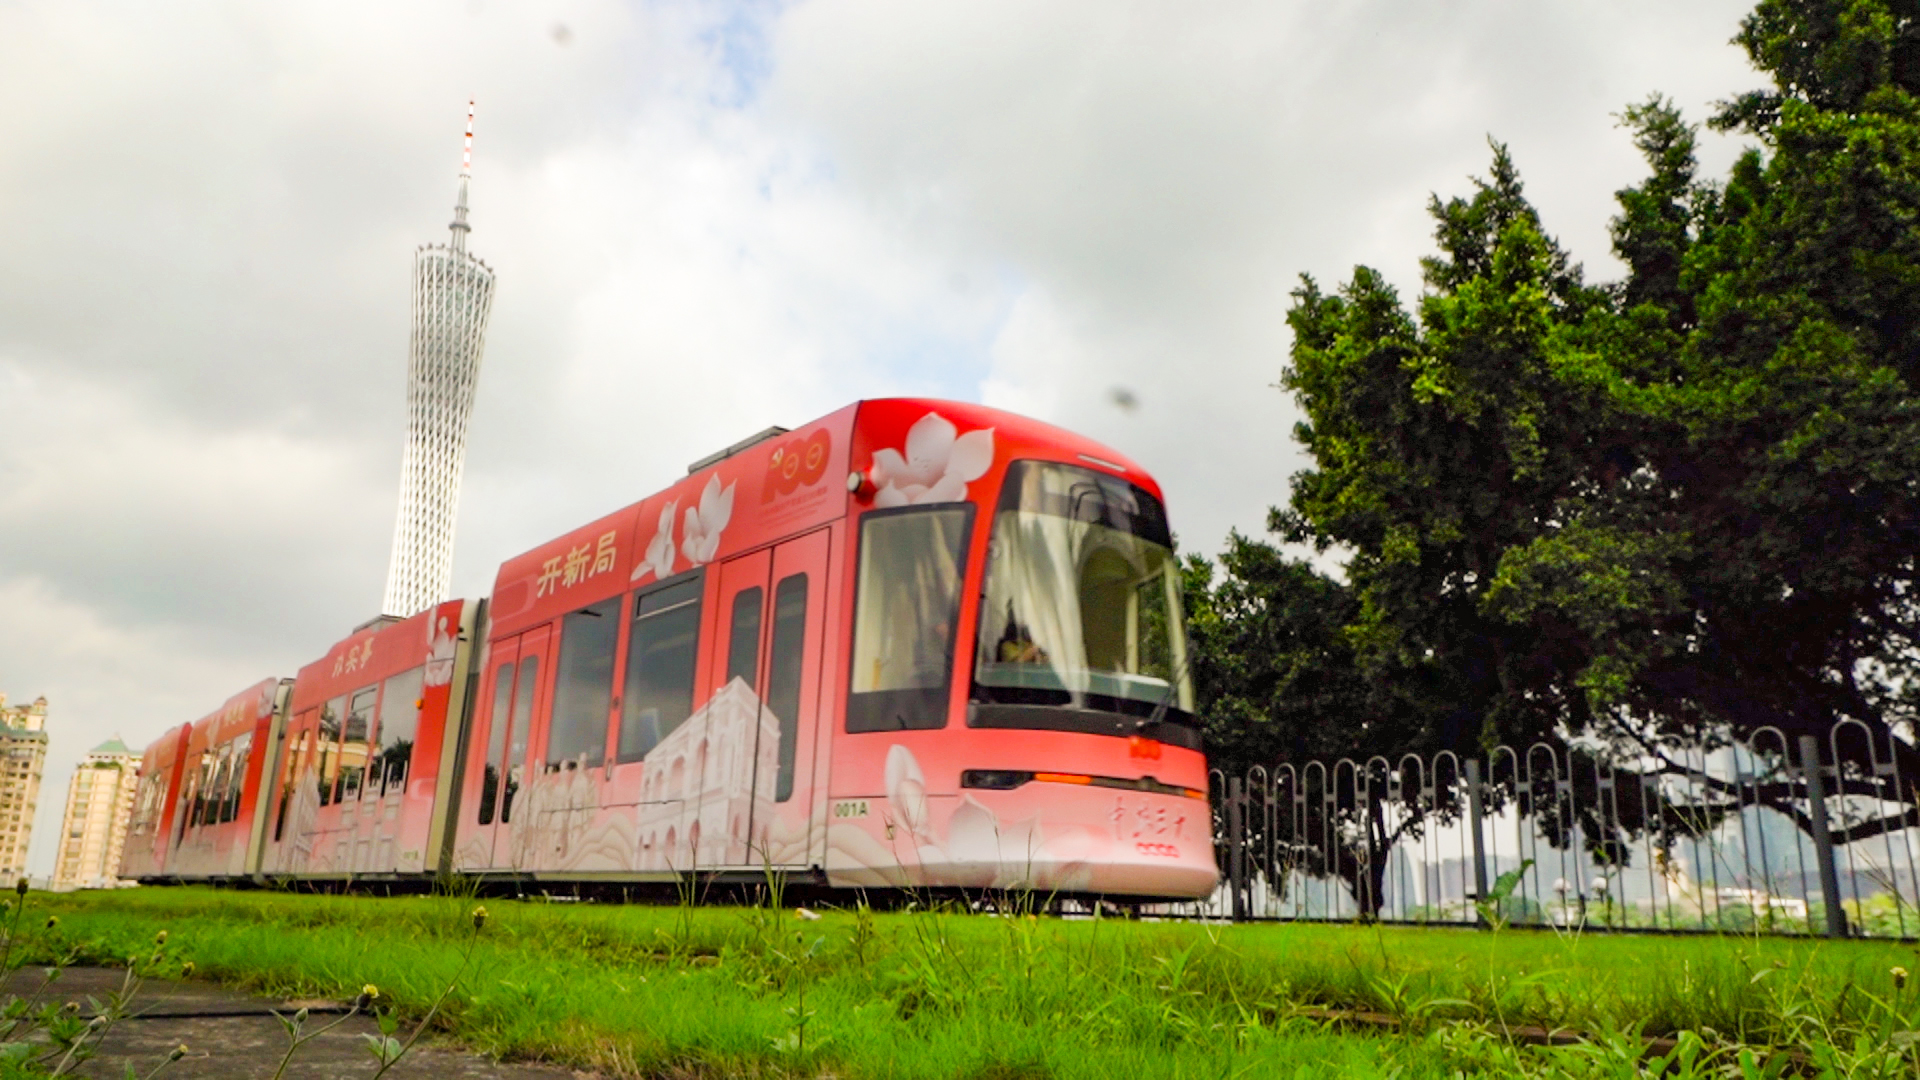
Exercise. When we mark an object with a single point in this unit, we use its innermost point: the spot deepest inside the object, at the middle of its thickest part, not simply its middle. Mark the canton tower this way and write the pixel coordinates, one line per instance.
(452, 296)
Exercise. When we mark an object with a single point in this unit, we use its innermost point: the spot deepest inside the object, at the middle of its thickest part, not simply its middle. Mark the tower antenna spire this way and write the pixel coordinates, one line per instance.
(452, 298)
(460, 227)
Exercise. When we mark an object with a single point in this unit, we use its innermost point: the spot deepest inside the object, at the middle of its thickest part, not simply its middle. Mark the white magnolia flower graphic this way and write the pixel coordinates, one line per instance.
(440, 646)
(659, 557)
(907, 790)
(937, 467)
(980, 851)
(701, 538)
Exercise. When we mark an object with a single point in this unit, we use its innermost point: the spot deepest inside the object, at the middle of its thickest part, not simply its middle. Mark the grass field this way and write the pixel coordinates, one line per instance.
(663, 991)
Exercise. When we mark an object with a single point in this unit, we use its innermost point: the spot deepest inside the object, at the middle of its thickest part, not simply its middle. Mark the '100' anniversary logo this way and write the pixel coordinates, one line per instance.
(795, 464)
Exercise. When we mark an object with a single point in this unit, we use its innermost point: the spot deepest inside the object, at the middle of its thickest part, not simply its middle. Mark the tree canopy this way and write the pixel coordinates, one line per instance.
(1678, 507)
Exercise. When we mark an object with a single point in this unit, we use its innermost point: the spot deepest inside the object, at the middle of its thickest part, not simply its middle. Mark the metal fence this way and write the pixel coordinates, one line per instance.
(1770, 834)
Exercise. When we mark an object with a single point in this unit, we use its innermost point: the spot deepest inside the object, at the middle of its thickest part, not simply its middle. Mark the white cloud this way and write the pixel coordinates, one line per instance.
(1158, 175)
(135, 679)
(146, 517)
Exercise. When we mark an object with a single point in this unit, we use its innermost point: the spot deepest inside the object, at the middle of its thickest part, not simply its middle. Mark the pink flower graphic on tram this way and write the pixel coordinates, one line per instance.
(938, 464)
(701, 538)
(907, 789)
(979, 851)
(659, 558)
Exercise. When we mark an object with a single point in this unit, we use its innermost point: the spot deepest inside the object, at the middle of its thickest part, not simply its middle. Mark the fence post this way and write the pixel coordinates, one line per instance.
(1237, 846)
(1474, 811)
(1822, 836)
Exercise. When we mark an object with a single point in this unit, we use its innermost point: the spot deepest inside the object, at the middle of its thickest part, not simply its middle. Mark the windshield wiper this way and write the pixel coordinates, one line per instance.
(1159, 715)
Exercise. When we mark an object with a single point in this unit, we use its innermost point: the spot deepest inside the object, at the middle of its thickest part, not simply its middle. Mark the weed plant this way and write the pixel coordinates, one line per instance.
(945, 991)
(44, 1037)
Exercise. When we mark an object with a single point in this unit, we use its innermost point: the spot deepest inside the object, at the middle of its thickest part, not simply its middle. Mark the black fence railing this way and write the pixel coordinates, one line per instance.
(1770, 834)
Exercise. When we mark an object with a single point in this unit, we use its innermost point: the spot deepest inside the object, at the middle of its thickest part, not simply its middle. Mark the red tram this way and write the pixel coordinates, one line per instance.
(915, 643)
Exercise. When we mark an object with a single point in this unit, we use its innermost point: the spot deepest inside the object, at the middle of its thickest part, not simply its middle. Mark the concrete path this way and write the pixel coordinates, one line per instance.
(233, 1036)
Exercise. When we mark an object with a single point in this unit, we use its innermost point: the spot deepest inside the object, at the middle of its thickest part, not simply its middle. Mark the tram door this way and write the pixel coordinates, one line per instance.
(515, 677)
(756, 758)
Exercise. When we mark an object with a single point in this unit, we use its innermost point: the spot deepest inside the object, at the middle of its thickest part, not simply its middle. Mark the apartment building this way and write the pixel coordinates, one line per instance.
(93, 832)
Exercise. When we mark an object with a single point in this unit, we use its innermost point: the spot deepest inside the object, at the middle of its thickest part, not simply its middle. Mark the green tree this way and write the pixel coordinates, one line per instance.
(1681, 507)
(1440, 445)
(1760, 364)
(1279, 681)
(1271, 661)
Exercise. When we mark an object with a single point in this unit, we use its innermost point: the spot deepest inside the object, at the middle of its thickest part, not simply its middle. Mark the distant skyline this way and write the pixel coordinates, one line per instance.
(715, 217)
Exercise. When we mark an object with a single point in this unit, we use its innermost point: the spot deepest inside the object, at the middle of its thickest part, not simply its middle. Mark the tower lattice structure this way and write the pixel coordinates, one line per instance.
(452, 297)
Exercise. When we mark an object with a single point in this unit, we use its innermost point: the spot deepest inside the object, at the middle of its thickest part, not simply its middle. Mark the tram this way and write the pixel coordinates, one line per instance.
(914, 644)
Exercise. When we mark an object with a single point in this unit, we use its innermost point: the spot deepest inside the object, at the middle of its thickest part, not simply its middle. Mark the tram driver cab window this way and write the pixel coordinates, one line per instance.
(1081, 611)
(906, 604)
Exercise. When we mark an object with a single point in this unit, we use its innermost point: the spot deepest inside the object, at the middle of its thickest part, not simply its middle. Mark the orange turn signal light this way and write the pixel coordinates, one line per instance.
(1062, 778)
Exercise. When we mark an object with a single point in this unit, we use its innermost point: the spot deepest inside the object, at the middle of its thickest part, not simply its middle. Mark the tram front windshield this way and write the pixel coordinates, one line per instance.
(1082, 604)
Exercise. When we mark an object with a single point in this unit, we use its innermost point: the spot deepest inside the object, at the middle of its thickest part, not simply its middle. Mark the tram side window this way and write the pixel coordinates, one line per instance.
(217, 790)
(156, 801)
(237, 752)
(353, 744)
(330, 716)
(236, 777)
(523, 691)
(399, 724)
(142, 821)
(785, 669)
(156, 796)
(222, 783)
(236, 764)
(905, 610)
(185, 810)
(496, 741)
(213, 791)
(202, 785)
(299, 746)
(148, 813)
(660, 658)
(743, 636)
(583, 692)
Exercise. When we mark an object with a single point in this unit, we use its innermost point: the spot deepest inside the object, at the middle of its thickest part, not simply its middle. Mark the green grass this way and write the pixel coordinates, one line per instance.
(651, 991)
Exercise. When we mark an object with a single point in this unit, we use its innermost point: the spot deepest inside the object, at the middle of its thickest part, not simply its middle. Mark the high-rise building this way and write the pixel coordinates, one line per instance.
(23, 753)
(452, 297)
(94, 831)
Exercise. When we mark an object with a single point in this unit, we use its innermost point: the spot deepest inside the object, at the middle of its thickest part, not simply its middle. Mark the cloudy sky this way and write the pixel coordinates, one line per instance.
(706, 218)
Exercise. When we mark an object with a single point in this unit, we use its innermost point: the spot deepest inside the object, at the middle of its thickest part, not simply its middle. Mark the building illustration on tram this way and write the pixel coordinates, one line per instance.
(912, 644)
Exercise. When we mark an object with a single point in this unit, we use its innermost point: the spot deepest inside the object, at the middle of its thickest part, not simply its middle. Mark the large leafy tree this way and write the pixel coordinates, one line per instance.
(1271, 661)
(1684, 506)
(1758, 368)
(1442, 440)
(1441, 443)
(1274, 665)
